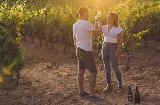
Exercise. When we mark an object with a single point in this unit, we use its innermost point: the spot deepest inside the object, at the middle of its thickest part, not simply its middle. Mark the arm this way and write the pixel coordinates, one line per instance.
(74, 39)
(120, 41)
(98, 29)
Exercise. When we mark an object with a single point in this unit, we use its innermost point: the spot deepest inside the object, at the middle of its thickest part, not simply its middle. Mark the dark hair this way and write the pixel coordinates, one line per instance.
(115, 18)
(82, 10)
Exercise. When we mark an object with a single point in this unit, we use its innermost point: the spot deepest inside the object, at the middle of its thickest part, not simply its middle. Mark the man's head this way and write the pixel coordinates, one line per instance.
(83, 13)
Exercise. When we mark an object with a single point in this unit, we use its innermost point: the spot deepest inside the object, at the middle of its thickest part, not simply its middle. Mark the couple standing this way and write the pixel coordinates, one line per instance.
(82, 31)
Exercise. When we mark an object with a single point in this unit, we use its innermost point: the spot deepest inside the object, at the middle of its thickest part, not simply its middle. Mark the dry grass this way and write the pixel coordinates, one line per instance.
(50, 78)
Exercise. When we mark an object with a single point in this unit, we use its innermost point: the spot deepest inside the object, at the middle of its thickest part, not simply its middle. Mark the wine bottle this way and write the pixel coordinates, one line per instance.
(130, 95)
(137, 96)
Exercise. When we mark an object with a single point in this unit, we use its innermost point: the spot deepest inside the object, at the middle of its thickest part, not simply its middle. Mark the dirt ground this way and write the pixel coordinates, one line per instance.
(49, 77)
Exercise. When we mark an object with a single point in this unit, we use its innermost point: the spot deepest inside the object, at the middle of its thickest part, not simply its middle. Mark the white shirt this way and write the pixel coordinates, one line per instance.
(82, 31)
(111, 36)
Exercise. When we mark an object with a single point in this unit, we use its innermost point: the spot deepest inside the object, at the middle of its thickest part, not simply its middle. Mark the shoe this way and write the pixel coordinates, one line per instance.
(95, 98)
(83, 95)
(120, 90)
(107, 89)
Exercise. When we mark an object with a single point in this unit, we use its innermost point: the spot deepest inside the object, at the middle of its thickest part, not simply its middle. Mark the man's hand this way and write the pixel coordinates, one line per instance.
(75, 45)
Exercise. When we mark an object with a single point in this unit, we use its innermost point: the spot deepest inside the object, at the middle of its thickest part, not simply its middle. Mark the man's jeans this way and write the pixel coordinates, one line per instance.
(108, 52)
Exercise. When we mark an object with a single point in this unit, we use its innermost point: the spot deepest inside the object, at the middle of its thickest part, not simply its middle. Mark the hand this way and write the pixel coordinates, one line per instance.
(97, 19)
(75, 46)
(100, 25)
(116, 55)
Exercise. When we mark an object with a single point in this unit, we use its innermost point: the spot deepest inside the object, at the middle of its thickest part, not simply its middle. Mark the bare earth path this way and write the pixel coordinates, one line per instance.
(50, 78)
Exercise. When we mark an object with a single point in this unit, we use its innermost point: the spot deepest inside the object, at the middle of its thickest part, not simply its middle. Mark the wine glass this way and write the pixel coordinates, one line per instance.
(98, 16)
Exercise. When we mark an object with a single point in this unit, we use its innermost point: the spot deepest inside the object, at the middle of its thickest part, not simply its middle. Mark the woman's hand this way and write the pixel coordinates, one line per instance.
(116, 55)
(98, 24)
(97, 20)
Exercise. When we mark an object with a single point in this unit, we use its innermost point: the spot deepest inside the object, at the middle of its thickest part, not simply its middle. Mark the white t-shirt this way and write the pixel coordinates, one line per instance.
(111, 36)
(82, 31)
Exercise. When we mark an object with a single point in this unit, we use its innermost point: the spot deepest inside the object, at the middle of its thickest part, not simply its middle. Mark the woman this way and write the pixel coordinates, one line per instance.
(111, 48)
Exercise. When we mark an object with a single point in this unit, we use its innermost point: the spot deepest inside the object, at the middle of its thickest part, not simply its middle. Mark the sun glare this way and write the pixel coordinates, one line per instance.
(7, 70)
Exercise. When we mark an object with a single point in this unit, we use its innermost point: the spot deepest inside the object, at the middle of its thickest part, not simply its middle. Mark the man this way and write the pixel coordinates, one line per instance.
(82, 31)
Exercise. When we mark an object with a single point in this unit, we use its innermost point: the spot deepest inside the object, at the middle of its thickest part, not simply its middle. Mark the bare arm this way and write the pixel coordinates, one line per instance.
(120, 41)
(98, 29)
(74, 39)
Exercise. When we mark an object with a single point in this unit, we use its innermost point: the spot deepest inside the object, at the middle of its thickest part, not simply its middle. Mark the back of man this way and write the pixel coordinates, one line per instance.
(82, 30)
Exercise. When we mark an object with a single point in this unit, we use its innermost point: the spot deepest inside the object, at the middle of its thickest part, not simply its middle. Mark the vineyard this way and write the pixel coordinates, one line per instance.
(30, 25)
(51, 22)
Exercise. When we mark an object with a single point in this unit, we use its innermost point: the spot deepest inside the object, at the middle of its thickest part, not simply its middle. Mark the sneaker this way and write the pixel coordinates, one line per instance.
(107, 89)
(83, 95)
(95, 98)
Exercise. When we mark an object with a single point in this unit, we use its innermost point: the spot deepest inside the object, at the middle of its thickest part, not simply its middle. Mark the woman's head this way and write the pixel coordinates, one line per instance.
(112, 19)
